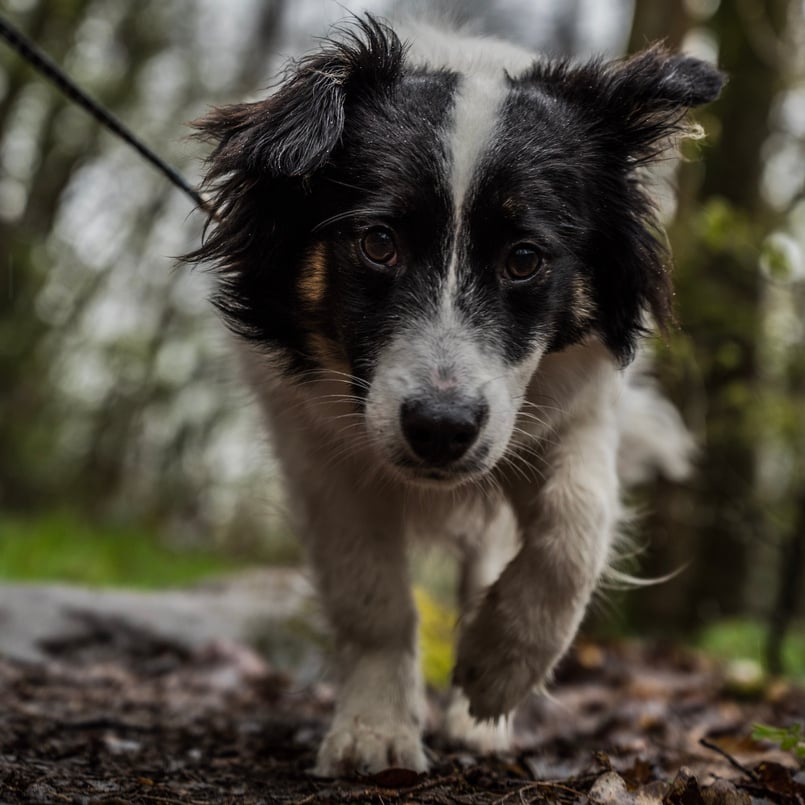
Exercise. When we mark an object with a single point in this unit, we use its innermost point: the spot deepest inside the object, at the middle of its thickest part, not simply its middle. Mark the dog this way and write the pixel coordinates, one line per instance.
(440, 255)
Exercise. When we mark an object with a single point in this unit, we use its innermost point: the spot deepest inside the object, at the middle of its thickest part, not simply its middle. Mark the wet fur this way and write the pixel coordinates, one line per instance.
(463, 147)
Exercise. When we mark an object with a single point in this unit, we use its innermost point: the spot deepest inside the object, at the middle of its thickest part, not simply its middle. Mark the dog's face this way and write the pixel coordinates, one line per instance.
(430, 233)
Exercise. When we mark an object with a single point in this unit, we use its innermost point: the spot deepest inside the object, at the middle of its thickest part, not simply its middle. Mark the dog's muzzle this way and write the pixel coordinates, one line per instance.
(441, 428)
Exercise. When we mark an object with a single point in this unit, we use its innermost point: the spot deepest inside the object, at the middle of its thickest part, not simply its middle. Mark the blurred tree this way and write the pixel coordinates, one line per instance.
(30, 195)
(110, 368)
(722, 220)
(111, 373)
(668, 22)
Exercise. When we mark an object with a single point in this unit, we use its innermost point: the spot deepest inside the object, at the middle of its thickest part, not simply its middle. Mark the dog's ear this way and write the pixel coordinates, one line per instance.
(265, 153)
(655, 77)
(644, 105)
(631, 112)
(293, 132)
(643, 101)
(636, 104)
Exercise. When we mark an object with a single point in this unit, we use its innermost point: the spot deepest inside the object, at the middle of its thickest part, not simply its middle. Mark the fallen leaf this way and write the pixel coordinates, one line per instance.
(684, 790)
(723, 792)
(396, 778)
(779, 780)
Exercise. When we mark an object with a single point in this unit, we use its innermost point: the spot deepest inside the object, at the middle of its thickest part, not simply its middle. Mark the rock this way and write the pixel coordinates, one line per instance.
(264, 607)
(610, 787)
(652, 793)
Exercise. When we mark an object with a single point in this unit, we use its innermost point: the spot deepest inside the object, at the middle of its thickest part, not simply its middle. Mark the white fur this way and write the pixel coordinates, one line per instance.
(356, 517)
(408, 365)
(482, 63)
(556, 427)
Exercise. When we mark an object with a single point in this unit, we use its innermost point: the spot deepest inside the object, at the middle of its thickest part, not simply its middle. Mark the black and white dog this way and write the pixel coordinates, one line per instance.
(441, 256)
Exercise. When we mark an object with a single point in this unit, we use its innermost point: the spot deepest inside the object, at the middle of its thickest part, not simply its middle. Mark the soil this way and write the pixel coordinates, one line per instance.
(122, 716)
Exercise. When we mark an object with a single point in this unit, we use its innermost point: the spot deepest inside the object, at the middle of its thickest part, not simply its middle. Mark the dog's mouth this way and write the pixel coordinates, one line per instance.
(442, 476)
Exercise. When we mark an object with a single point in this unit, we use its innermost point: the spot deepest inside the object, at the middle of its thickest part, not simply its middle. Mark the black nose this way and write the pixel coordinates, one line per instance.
(441, 430)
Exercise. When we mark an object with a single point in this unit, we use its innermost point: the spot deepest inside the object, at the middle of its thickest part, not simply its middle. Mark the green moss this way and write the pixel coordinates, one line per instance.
(746, 639)
(60, 547)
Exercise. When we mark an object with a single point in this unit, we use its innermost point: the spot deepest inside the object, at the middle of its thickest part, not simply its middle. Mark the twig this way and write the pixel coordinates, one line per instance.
(103, 723)
(380, 791)
(449, 778)
(544, 784)
(733, 762)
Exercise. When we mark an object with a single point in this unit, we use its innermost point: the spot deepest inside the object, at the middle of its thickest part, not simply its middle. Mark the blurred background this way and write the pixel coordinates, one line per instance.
(130, 453)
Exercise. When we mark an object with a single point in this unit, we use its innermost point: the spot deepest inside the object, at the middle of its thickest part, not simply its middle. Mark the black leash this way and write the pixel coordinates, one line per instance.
(41, 62)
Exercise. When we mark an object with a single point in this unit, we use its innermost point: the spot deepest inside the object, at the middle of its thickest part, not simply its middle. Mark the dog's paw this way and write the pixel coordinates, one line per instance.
(482, 737)
(367, 748)
(494, 682)
(495, 667)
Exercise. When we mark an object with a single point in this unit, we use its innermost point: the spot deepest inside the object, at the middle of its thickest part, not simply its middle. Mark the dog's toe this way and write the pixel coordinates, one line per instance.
(482, 737)
(369, 748)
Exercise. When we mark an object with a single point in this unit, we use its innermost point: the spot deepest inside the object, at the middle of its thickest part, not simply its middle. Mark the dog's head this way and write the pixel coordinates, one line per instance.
(430, 231)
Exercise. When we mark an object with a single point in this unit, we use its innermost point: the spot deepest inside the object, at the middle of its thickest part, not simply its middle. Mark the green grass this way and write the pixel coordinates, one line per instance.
(745, 639)
(60, 547)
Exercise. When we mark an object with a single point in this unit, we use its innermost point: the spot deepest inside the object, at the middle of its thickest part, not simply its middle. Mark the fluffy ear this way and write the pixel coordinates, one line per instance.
(644, 100)
(265, 151)
(655, 77)
(631, 111)
(636, 104)
(293, 132)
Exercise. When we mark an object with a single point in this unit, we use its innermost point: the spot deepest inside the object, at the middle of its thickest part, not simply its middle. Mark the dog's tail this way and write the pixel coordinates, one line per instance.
(654, 439)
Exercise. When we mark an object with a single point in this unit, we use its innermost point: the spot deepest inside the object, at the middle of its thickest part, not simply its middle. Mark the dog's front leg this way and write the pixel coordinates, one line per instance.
(531, 614)
(357, 549)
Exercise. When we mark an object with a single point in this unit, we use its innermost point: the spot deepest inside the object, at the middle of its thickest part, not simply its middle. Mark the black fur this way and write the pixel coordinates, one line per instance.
(293, 132)
(598, 124)
(390, 170)
(316, 149)
(354, 137)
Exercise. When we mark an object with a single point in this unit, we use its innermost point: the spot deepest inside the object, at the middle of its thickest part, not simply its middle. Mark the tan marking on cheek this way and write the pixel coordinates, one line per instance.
(311, 287)
(583, 304)
(328, 353)
(312, 282)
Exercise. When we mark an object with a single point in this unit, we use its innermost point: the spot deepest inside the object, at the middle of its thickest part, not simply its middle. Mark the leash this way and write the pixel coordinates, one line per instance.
(43, 64)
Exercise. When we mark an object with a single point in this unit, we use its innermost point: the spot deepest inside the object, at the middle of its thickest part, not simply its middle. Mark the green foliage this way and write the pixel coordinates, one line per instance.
(745, 639)
(437, 627)
(61, 547)
(790, 739)
(721, 228)
(779, 258)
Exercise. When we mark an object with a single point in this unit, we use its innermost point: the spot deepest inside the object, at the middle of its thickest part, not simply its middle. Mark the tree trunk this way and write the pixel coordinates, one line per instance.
(652, 21)
(722, 220)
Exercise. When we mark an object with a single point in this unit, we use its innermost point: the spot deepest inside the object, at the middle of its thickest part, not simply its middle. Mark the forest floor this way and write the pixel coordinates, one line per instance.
(122, 715)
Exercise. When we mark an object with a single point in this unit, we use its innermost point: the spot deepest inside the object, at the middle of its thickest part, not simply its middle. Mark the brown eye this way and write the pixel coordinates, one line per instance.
(522, 262)
(378, 247)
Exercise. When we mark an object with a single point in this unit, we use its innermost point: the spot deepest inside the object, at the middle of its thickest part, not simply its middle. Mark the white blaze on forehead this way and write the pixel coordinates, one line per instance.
(482, 65)
(475, 116)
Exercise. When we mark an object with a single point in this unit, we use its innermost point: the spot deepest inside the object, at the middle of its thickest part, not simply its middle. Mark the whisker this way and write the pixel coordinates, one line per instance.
(345, 184)
(342, 216)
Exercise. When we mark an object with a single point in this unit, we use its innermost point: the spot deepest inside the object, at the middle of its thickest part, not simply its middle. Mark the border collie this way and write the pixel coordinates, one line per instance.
(440, 254)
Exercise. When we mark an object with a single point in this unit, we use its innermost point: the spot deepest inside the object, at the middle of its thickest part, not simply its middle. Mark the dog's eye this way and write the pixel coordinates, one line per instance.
(522, 262)
(378, 246)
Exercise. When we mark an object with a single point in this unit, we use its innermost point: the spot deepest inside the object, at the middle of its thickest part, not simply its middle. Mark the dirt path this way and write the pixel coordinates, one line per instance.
(124, 715)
